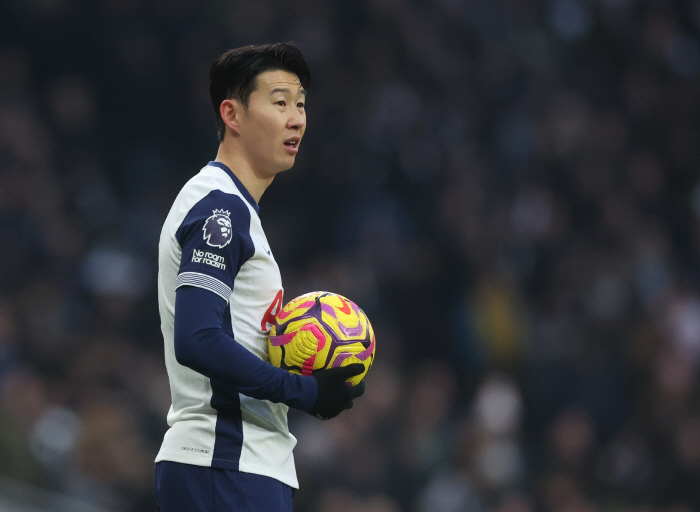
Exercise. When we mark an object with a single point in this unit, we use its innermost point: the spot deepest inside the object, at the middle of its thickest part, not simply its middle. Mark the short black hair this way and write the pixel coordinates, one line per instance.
(233, 75)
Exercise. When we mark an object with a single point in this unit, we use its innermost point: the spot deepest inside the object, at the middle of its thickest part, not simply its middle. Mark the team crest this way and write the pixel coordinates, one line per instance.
(217, 229)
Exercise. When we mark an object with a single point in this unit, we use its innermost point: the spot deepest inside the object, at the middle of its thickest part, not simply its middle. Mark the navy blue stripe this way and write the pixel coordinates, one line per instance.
(229, 427)
(238, 183)
(229, 421)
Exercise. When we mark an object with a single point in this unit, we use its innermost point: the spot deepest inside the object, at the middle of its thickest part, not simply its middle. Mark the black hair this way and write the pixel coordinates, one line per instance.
(233, 75)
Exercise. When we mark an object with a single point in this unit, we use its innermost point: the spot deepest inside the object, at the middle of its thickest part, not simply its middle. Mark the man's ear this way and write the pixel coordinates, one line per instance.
(230, 111)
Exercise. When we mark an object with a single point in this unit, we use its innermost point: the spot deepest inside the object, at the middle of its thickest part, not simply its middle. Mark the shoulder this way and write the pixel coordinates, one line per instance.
(211, 198)
(210, 189)
(219, 215)
(211, 183)
(221, 203)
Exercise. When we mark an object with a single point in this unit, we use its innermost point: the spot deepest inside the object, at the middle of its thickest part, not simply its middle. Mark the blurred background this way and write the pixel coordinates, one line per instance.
(509, 189)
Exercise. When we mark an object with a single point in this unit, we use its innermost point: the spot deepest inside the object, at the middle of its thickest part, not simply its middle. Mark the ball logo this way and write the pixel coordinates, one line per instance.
(217, 229)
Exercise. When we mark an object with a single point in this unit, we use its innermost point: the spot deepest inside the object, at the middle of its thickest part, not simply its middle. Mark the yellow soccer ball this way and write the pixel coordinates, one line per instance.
(321, 330)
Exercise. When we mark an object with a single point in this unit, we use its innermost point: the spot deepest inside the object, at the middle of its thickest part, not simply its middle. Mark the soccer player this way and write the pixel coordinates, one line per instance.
(229, 447)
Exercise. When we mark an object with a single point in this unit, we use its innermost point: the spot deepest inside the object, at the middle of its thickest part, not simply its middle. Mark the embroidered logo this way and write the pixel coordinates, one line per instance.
(217, 229)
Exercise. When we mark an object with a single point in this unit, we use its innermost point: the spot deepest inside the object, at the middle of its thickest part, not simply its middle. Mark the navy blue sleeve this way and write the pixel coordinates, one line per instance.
(202, 345)
(215, 242)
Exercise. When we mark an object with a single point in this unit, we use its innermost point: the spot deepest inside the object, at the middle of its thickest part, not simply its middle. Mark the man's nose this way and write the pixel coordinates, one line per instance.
(297, 121)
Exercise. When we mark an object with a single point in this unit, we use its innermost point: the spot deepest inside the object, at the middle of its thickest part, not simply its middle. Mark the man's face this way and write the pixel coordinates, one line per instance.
(274, 123)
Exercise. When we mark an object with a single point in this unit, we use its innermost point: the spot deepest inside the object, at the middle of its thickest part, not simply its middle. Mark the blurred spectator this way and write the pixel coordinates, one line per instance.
(508, 189)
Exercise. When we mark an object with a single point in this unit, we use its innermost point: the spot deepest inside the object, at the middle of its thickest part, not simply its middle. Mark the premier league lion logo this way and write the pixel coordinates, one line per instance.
(217, 229)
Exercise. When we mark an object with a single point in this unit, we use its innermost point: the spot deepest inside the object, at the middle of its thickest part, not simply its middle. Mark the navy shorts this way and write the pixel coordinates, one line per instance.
(184, 487)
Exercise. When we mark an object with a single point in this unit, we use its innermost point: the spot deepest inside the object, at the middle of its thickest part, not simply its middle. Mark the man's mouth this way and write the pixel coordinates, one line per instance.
(292, 145)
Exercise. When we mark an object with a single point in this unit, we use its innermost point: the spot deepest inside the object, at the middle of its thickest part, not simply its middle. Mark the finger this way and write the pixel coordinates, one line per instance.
(358, 390)
(351, 370)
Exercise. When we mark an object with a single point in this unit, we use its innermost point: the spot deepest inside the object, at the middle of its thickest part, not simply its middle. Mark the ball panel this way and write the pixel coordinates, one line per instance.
(344, 326)
(303, 348)
(354, 353)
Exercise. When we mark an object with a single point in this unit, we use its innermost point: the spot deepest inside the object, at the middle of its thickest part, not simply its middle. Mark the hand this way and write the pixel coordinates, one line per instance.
(334, 394)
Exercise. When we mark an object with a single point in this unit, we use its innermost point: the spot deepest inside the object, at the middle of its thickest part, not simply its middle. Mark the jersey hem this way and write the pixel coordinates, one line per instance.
(184, 458)
(291, 481)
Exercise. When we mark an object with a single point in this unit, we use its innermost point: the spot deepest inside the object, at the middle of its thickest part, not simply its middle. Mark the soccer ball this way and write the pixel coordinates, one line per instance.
(321, 330)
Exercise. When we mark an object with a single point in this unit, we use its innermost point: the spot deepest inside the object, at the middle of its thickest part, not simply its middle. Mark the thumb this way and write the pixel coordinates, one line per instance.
(358, 390)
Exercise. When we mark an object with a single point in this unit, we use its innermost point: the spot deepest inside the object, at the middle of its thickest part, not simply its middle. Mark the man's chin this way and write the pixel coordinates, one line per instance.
(287, 165)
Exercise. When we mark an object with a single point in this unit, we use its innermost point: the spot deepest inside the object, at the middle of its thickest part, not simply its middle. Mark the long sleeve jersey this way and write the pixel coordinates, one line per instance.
(219, 288)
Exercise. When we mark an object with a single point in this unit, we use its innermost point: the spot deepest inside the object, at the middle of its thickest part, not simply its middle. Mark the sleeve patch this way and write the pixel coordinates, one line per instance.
(204, 281)
(217, 229)
(209, 258)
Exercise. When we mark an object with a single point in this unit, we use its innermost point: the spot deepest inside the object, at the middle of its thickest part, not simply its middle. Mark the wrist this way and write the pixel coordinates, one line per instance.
(306, 392)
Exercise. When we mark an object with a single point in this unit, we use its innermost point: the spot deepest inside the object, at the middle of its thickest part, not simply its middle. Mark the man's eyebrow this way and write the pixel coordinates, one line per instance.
(286, 90)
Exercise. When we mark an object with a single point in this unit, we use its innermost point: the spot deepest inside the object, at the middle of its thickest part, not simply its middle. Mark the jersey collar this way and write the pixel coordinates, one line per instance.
(238, 183)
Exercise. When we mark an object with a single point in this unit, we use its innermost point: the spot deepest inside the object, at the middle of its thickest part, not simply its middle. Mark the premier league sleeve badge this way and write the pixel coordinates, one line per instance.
(217, 229)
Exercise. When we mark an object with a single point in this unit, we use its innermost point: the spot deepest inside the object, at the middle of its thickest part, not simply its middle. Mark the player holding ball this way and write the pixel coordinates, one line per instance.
(228, 447)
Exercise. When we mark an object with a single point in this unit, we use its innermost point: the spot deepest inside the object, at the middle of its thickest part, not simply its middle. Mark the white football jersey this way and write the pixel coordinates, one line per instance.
(212, 238)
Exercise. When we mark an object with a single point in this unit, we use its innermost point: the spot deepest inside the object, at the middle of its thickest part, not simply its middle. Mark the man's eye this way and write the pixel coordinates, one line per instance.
(300, 105)
(282, 103)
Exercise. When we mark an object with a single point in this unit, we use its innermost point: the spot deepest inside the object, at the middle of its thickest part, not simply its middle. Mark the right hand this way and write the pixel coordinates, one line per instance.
(334, 394)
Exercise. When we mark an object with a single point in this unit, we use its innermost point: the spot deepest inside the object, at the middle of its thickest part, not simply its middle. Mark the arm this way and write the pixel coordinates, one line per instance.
(202, 345)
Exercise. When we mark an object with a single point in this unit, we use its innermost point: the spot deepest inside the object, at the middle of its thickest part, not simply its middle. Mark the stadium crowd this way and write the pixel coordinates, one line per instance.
(508, 188)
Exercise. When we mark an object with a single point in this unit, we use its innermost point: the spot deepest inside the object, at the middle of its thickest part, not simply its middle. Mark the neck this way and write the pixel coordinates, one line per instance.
(254, 182)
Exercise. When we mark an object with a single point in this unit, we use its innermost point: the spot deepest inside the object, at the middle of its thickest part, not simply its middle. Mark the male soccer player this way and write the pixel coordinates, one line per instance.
(228, 447)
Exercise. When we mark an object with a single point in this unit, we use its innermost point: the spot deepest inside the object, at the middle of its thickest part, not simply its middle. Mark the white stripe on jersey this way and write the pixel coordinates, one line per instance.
(204, 281)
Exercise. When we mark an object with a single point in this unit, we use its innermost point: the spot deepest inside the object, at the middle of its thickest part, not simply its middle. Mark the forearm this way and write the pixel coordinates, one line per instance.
(202, 345)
